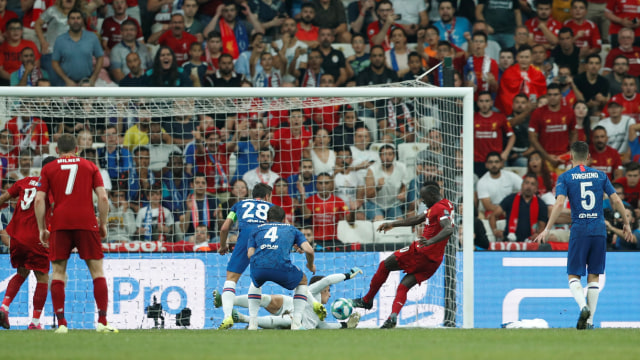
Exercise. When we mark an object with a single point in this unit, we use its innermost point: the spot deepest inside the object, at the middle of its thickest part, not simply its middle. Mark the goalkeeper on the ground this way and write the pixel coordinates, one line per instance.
(281, 306)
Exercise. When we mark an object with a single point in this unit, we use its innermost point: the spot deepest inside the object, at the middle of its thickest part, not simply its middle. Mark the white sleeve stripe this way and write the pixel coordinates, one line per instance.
(443, 217)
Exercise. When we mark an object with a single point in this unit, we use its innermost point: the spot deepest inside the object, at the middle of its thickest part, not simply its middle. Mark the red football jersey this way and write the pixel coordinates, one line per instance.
(553, 128)
(607, 161)
(11, 54)
(631, 194)
(326, 116)
(303, 35)
(488, 133)
(624, 9)
(23, 225)
(70, 181)
(532, 24)
(326, 214)
(180, 46)
(479, 68)
(633, 56)
(32, 130)
(288, 151)
(110, 31)
(441, 210)
(590, 33)
(630, 106)
(374, 28)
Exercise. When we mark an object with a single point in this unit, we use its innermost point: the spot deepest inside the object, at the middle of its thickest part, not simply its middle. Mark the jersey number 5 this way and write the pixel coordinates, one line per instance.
(73, 170)
(588, 197)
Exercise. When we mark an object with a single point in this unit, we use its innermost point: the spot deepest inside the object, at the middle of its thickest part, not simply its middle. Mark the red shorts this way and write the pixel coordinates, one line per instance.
(88, 243)
(413, 261)
(29, 257)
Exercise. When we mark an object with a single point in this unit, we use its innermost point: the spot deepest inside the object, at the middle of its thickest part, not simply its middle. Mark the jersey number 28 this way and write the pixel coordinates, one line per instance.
(260, 213)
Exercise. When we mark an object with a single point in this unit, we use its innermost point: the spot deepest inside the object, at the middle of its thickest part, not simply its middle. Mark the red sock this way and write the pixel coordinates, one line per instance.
(376, 282)
(39, 298)
(12, 289)
(101, 294)
(57, 298)
(401, 298)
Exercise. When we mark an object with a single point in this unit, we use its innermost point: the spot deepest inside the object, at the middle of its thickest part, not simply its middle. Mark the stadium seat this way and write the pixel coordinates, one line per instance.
(372, 125)
(407, 153)
(402, 234)
(361, 232)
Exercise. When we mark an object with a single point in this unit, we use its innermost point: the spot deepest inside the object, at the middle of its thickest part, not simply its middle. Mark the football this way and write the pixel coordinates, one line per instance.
(341, 308)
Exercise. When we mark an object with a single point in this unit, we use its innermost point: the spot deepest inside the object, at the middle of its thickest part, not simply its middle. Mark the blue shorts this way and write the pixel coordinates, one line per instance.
(287, 276)
(586, 252)
(239, 260)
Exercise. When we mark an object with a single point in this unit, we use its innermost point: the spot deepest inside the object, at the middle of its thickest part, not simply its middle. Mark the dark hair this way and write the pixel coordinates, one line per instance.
(586, 5)
(382, 2)
(544, 170)
(632, 166)
(543, 2)
(325, 174)
(315, 279)
(385, 147)
(160, 77)
(580, 150)
(260, 191)
(484, 92)
(586, 60)
(400, 29)
(586, 123)
(344, 148)
(523, 48)
(66, 143)
(376, 47)
(307, 159)
(75, 10)
(480, 33)
(599, 127)
(48, 159)
(199, 174)
(308, 5)
(359, 35)
(565, 30)
(620, 56)
(553, 86)
(522, 95)
(432, 27)
(25, 48)
(194, 44)
(414, 54)
(225, 55)
(129, 22)
(531, 175)
(491, 154)
(627, 77)
(275, 214)
(216, 34)
(13, 21)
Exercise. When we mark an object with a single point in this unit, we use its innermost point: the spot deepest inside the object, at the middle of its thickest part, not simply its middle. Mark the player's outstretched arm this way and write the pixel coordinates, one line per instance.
(447, 230)
(555, 212)
(617, 204)
(308, 251)
(412, 221)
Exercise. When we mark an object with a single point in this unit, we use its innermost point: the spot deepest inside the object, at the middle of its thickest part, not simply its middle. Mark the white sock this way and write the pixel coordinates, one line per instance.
(243, 301)
(593, 290)
(35, 321)
(577, 292)
(274, 322)
(255, 296)
(228, 297)
(299, 303)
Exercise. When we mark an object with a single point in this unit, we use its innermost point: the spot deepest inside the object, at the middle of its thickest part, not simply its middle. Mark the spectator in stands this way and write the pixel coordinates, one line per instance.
(543, 29)
(327, 116)
(248, 63)
(25, 162)
(8, 152)
(236, 30)
(248, 139)
(513, 82)
(122, 220)
(397, 58)
(362, 156)
(628, 98)
(154, 221)
(212, 51)
(490, 128)
(291, 145)
(480, 71)
(570, 92)
(347, 184)
(454, 27)
(175, 185)
(622, 15)
(628, 49)
(280, 197)
(113, 157)
(30, 71)
(129, 43)
(29, 133)
(519, 121)
(5, 17)
(501, 17)
(604, 157)
(396, 120)
(631, 183)
(270, 14)
(111, 31)
(504, 62)
(239, 192)
(84, 139)
(192, 25)
(427, 170)
(166, 72)
(135, 77)
(324, 158)
(524, 211)
(416, 69)
(343, 134)
(269, 76)
(620, 70)
(566, 52)
(263, 173)
(540, 60)
(496, 184)
(594, 87)
(74, 51)
(331, 14)
(291, 52)
(200, 208)
(428, 39)
(586, 33)
(224, 76)
(140, 178)
(213, 161)
(552, 128)
(333, 61)
(412, 15)
(307, 32)
(92, 155)
(326, 210)
(377, 73)
(160, 11)
(617, 128)
(138, 134)
(546, 179)
(361, 13)
(378, 31)
(492, 49)
(181, 127)
(11, 50)
(303, 184)
(159, 152)
(583, 122)
(195, 66)
(386, 186)
(178, 40)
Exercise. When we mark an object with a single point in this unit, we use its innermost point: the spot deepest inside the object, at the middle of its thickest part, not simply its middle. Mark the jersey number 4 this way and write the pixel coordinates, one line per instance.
(272, 234)
(588, 197)
(73, 170)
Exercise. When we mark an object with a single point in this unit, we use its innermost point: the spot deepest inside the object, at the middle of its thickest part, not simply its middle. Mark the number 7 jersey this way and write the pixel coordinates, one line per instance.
(70, 181)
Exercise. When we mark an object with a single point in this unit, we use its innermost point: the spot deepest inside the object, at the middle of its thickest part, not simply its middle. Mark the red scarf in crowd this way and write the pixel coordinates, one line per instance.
(515, 212)
(228, 37)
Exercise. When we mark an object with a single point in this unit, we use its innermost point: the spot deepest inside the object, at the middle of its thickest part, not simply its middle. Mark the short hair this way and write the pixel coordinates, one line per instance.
(344, 148)
(260, 191)
(213, 34)
(565, 30)
(129, 22)
(382, 2)
(521, 95)
(586, 5)
(632, 166)
(225, 55)
(305, 159)
(75, 11)
(275, 214)
(599, 127)
(376, 47)
(66, 143)
(580, 150)
(48, 159)
(586, 60)
(13, 21)
(315, 279)
(531, 175)
(449, 1)
(523, 48)
(358, 35)
(414, 54)
(325, 174)
(480, 33)
(627, 77)
(621, 57)
(194, 44)
(308, 5)
(492, 154)
(199, 174)
(484, 92)
(432, 27)
(325, 28)
(385, 147)
(26, 48)
(139, 148)
(430, 190)
(617, 185)
(543, 2)
(553, 86)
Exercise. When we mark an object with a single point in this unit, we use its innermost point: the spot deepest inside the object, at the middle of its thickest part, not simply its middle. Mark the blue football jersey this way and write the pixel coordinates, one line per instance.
(273, 243)
(585, 187)
(249, 213)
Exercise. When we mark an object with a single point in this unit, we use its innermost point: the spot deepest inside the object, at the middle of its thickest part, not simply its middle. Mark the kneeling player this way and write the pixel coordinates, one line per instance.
(421, 259)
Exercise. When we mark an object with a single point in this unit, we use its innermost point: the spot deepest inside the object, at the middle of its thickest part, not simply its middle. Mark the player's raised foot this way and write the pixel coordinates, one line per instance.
(320, 310)
(62, 329)
(217, 299)
(391, 322)
(226, 323)
(582, 320)
(33, 326)
(253, 323)
(106, 328)
(360, 303)
(353, 320)
(4, 318)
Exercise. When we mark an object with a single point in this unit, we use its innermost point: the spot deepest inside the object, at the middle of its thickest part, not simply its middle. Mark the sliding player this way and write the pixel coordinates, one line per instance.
(421, 259)
(27, 253)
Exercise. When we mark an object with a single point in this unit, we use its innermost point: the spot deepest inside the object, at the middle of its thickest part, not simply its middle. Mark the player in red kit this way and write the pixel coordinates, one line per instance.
(421, 259)
(70, 182)
(27, 253)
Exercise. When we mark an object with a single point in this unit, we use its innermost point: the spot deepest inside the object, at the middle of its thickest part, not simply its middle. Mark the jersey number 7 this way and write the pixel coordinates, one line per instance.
(71, 180)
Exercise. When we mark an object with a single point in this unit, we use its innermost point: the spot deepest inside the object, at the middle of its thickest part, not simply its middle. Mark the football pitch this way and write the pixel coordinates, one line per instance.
(364, 344)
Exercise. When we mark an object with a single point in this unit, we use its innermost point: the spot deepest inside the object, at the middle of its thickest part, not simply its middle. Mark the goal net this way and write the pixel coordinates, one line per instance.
(174, 161)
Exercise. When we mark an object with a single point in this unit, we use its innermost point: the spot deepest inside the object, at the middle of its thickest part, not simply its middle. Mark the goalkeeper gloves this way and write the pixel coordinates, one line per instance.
(352, 273)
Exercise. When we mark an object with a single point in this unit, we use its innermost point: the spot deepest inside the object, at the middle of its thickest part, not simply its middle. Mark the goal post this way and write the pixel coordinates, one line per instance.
(439, 107)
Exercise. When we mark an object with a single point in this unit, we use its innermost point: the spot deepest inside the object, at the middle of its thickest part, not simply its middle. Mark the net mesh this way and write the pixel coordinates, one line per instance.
(164, 144)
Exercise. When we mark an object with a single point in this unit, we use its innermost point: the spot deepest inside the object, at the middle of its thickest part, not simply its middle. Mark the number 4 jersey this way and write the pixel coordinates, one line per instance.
(70, 182)
(23, 226)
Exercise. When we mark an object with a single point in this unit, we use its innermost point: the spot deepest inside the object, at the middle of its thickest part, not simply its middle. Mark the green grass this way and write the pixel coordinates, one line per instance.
(362, 344)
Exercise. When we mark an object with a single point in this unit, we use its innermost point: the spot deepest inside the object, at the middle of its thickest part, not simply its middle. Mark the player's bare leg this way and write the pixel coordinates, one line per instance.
(228, 297)
(578, 294)
(39, 298)
(593, 291)
(100, 293)
(59, 272)
(12, 290)
(406, 284)
(386, 266)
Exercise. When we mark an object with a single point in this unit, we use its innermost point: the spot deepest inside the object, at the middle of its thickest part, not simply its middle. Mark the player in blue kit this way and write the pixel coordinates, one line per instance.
(270, 255)
(585, 188)
(248, 214)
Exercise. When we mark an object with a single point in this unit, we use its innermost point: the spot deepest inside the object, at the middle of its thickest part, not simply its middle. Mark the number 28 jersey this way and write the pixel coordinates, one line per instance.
(70, 182)
(585, 186)
(249, 214)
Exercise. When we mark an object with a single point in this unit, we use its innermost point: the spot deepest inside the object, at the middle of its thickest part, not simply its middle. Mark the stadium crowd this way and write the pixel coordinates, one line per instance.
(545, 73)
